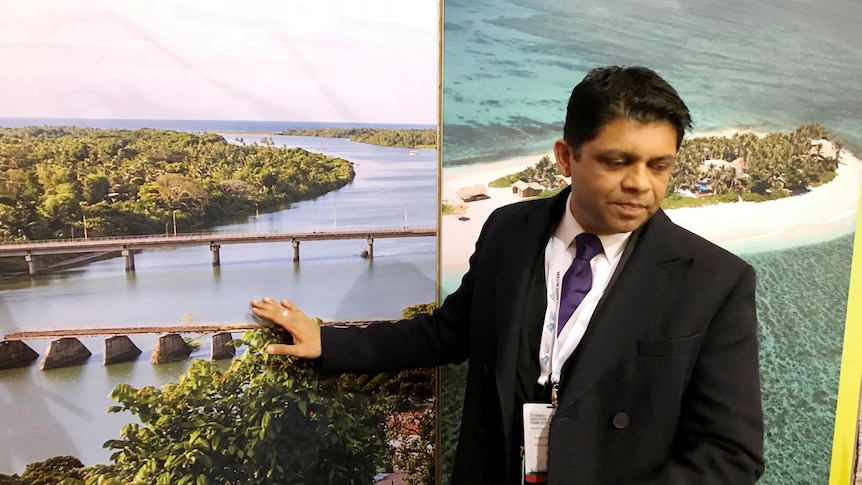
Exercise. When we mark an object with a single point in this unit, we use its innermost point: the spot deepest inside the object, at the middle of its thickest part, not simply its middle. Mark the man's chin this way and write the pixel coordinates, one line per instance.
(627, 225)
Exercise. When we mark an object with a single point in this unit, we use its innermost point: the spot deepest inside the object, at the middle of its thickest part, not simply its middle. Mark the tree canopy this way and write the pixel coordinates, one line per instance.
(265, 419)
(54, 181)
(543, 172)
(726, 168)
(774, 165)
(406, 138)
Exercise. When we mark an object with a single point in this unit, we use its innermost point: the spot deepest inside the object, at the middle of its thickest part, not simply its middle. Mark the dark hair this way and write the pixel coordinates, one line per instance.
(610, 93)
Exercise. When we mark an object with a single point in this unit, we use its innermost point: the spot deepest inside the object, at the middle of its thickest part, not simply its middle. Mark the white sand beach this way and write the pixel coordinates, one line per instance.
(824, 213)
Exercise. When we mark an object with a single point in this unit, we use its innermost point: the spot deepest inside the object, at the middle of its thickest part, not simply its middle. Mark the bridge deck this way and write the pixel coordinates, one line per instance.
(146, 330)
(64, 246)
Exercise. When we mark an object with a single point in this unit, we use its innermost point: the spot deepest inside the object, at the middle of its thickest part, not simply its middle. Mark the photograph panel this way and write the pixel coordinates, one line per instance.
(771, 170)
(163, 165)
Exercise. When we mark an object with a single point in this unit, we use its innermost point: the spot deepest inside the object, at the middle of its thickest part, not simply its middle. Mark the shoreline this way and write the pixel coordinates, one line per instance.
(824, 213)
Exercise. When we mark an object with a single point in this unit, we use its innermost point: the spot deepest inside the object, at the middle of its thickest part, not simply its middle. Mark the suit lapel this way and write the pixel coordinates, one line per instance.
(645, 287)
(531, 230)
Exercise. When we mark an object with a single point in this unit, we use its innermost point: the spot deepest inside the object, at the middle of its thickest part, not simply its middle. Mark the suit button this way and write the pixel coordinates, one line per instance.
(621, 420)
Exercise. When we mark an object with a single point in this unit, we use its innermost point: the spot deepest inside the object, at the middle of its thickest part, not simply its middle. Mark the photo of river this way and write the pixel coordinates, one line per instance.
(165, 82)
(62, 411)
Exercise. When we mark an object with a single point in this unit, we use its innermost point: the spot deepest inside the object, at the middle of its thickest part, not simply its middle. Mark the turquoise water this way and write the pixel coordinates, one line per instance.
(801, 305)
(509, 67)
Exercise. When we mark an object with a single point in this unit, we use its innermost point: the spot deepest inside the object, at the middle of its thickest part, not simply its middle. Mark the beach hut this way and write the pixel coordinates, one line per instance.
(525, 189)
(476, 192)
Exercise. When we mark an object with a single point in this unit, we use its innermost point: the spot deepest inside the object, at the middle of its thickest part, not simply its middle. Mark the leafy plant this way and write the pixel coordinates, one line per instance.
(267, 419)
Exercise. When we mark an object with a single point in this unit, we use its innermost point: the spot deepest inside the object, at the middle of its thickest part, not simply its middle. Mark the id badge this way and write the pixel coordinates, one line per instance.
(537, 426)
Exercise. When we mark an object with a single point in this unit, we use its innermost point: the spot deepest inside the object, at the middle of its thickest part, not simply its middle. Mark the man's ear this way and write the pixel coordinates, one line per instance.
(564, 155)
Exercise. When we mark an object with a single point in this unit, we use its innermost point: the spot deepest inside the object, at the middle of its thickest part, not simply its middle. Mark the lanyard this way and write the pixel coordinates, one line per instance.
(558, 259)
(556, 349)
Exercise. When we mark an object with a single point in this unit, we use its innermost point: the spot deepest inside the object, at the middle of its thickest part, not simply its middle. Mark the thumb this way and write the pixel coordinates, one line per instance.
(281, 349)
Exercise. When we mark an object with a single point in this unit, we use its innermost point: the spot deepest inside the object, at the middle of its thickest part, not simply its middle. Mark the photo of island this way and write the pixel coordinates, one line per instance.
(771, 170)
(163, 165)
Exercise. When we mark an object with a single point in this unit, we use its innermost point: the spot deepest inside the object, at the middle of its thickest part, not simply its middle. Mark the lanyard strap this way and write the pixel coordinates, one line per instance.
(549, 351)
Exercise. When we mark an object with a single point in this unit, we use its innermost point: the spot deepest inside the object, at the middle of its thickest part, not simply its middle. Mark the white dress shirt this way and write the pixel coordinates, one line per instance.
(559, 252)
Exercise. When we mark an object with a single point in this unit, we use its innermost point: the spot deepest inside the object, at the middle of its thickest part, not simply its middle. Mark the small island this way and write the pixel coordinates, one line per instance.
(709, 170)
(404, 138)
(742, 190)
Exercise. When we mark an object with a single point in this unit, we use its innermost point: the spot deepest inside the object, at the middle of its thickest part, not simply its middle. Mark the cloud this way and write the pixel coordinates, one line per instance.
(265, 60)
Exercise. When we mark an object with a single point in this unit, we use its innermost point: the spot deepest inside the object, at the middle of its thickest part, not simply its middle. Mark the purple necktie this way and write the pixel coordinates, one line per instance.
(579, 278)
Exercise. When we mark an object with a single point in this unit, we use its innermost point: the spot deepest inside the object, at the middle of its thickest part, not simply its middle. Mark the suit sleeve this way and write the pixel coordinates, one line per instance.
(424, 341)
(720, 434)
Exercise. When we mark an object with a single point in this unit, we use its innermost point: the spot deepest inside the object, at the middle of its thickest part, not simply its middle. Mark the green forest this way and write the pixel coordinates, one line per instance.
(755, 168)
(57, 181)
(717, 169)
(543, 172)
(264, 420)
(407, 138)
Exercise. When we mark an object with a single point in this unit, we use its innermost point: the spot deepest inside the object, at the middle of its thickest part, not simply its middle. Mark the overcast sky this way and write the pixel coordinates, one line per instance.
(285, 60)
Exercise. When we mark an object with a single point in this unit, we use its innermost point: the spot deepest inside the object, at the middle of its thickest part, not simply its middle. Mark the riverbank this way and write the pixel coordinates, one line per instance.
(825, 212)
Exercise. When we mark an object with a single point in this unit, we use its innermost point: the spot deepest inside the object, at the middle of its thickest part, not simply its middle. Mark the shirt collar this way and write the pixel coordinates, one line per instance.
(569, 228)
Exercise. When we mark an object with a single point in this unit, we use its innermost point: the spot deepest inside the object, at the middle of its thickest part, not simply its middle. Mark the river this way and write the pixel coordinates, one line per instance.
(63, 411)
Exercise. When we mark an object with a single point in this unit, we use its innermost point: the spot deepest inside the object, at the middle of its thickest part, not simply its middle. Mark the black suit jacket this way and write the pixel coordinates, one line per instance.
(664, 387)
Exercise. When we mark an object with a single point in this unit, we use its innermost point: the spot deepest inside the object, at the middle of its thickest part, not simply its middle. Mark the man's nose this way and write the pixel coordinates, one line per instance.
(636, 178)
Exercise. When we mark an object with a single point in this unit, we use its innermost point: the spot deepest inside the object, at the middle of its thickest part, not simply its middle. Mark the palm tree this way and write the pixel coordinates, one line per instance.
(838, 145)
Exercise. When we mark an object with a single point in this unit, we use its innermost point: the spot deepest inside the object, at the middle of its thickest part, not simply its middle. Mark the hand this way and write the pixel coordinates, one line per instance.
(306, 333)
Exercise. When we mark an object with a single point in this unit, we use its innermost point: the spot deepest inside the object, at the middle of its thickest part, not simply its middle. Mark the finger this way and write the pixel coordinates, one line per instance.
(267, 303)
(268, 314)
(284, 349)
(264, 304)
(289, 305)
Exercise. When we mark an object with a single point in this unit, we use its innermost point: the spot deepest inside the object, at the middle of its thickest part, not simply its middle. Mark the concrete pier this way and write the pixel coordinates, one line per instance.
(32, 264)
(214, 248)
(15, 353)
(65, 352)
(295, 244)
(220, 348)
(370, 250)
(170, 348)
(129, 259)
(120, 349)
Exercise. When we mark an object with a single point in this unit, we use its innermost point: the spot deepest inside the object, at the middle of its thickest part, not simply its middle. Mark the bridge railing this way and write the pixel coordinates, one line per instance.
(202, 236)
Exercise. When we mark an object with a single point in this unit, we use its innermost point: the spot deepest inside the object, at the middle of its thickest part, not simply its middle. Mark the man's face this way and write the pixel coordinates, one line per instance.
(619, 179)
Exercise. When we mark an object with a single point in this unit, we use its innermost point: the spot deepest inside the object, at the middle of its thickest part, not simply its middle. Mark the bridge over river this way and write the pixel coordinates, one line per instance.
(66, 350)
(129, 245)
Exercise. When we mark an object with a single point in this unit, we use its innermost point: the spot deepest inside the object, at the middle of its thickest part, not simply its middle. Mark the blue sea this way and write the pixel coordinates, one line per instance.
(509, 66)
(770, 65)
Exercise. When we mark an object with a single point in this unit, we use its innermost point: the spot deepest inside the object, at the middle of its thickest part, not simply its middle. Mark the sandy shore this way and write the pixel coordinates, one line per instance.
(824, 213)
(458, 237)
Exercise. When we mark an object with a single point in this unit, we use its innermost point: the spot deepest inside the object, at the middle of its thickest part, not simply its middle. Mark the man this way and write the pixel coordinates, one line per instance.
(654, 376)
